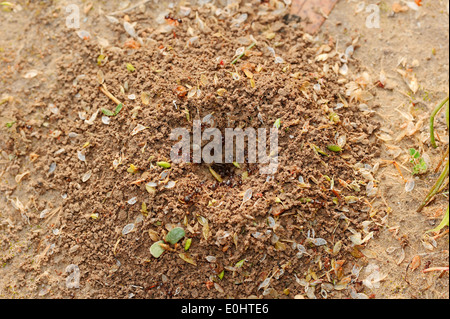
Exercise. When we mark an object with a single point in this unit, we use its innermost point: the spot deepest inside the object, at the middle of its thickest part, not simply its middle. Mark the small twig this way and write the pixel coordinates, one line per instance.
(433, 115)
(240, 56)
(441, 161)
(51, 215)
(115, 246)
(440, 235)
(108, 94)
(435, 269)
(397, 166)
(444, 186)
(434, 190)
(137, 182)
(406, 273)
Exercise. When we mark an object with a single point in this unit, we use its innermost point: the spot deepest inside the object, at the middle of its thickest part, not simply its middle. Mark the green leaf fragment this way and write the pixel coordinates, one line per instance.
(175, 235)
(156, 250)
(221, 274)
(444, 222)
(100, 59)
(241, 55)
(414, 153)
(277, 123)
(7, 6)
(10, 124)
(188, 244)
(111, 113)
(130, 67)
(132, 169)
(118, 108)
(318, 150)
(334, 117)
(334, 148)
(240, 263)
(420, 166)
(163, 164)
(107, 112)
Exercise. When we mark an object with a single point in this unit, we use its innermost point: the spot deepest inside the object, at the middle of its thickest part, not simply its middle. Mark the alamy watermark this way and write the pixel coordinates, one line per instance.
(262, 146)
(73, 19)
(373, 20)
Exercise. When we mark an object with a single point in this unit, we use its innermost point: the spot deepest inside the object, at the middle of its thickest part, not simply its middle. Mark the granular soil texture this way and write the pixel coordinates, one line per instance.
(290, 238)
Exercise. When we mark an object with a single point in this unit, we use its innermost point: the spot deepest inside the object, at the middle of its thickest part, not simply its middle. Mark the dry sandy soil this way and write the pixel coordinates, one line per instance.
(416, 41)
(411, 35)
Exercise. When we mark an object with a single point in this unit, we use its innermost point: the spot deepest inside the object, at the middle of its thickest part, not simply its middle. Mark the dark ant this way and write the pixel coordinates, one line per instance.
(188, 198)
(172, 21)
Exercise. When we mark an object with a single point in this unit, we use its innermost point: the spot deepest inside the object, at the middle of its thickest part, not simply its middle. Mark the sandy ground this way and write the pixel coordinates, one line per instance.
(410, 36)
(416, 40)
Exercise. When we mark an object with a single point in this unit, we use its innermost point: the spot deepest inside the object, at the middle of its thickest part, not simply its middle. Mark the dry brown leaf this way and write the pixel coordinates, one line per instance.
(21, 176)
(369, 253)
(401, 257)
(187, 258)
(410, 79)
(415, 263)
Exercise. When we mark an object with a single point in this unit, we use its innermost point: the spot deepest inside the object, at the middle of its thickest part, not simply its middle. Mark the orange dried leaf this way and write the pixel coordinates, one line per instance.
(131, 44)
(415, 263)
(180, 91)
(356, 252)
(248, 66)
(397, 7)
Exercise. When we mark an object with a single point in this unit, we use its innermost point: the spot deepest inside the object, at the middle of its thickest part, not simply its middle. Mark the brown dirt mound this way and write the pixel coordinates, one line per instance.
(305, 94)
